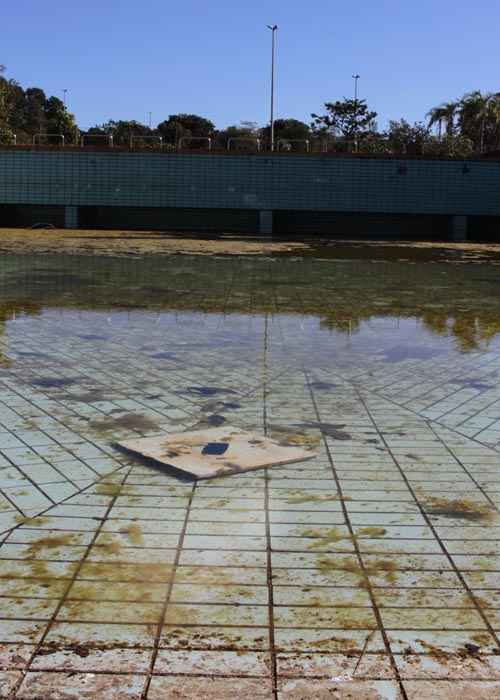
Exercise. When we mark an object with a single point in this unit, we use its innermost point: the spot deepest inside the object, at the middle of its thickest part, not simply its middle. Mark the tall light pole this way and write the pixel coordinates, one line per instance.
(150, 114)
(64, 96)
(356, 77)
(273, 29)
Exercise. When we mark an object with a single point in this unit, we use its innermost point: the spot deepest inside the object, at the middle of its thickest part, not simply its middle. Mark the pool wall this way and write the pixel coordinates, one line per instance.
(267, 193)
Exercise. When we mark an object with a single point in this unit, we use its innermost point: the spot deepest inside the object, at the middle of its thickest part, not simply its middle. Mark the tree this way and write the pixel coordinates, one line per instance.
(287, 130)
(178, 125)
(403, 137)
(444, 115)
(34, 121)
(122, 132)
(245, 130)
(351, 118)
(479, 119)
(59, 121)
(5, 133)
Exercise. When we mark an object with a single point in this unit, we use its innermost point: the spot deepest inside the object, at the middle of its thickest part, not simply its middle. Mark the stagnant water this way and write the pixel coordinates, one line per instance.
(338, 568)
(355, 311)
(126, 346)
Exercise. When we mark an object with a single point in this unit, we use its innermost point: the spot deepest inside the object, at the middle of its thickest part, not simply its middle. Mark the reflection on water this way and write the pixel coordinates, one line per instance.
(396, 310)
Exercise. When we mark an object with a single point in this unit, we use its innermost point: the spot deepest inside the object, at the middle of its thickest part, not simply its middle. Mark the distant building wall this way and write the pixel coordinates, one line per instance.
(247, 183)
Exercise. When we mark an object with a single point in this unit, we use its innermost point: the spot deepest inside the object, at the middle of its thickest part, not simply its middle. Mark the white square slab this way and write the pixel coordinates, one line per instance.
(195, 452)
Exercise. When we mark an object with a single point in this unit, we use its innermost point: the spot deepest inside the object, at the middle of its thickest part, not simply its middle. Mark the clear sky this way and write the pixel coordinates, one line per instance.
(122, 59)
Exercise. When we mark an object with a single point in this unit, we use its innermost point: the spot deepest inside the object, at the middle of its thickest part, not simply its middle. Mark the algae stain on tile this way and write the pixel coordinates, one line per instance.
(303, 497)
(460, 509)
(130, 421)
(134, 533)
(381, 567)
(106, 488)
(322, 539)
(371, 532)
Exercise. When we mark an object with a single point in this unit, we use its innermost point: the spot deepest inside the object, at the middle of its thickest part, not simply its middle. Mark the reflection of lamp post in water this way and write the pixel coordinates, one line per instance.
(265, 376)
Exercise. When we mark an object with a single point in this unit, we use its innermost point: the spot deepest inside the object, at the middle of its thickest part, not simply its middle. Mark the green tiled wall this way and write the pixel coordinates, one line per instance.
(320, 183)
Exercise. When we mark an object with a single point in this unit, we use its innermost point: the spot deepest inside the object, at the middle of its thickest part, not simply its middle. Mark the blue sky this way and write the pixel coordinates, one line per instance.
(123, 59)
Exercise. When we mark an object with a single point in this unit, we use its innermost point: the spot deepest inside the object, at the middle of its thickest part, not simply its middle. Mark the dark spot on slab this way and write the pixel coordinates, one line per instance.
(322, 386)
(400, 353)
(49, 383)
(92, 336)
(473, 384)
(164, 356)
(208, 390)
(130, 421)
(215, 420)
(32, 354)
(333, 430)
(88, 397)
(215, 448)
(471, 650)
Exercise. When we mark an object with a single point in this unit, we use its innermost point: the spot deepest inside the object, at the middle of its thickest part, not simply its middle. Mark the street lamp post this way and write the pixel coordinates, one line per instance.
(356, 77)
(273, 29)
(64, 96)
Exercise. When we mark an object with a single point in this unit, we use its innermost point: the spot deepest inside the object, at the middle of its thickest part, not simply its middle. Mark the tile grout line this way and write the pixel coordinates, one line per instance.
(441, 384)
(430, 422)
(66, 447)
(430, 524)
(170, 585)
(426, 419)
(43, 513)
(70, 582)
(359, 556)
(459, 461)
(270, 590)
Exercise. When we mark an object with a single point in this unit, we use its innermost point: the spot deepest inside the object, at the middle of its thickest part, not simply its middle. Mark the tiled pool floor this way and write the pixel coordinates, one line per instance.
(369, 572)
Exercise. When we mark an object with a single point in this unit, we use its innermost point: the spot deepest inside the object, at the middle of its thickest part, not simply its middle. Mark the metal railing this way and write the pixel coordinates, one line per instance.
(106, 137)
(244, 139)
(203, 139)
(37, 137)
(159, 139)
(286, 144)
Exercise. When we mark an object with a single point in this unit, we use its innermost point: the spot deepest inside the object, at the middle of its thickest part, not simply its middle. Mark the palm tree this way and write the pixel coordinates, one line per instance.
(479, 118)
(470, 116)
(491, 116)
(444, 114)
